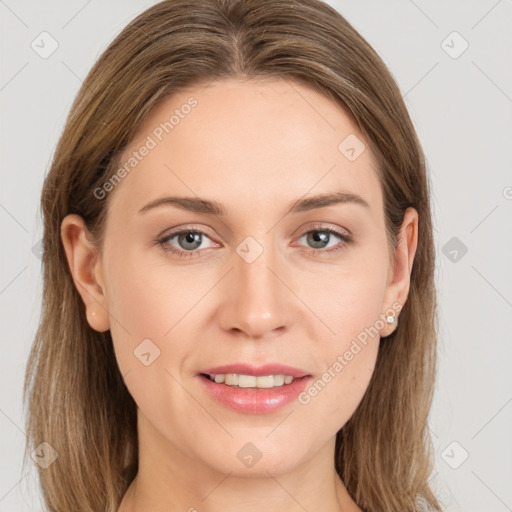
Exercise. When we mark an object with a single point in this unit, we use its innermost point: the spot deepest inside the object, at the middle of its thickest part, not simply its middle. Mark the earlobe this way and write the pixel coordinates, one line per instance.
(84, 264)
(97, 318)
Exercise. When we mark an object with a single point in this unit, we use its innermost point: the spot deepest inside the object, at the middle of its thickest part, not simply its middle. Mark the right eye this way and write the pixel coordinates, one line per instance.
(188, 240)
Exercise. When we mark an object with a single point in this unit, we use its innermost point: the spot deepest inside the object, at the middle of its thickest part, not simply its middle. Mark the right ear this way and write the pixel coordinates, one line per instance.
(85, 265)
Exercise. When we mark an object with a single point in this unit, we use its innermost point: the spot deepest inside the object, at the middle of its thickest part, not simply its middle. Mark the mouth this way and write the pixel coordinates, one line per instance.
(243, 375)
(254, 390)
(251, 381)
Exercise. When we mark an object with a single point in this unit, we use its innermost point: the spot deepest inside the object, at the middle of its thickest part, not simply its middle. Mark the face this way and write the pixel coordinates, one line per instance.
(260, 279)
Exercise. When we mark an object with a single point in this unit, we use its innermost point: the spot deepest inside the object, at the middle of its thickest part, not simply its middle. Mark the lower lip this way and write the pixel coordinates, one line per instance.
(255, 400)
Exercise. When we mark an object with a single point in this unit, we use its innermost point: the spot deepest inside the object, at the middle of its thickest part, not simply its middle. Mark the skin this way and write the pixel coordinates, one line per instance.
(255, 147)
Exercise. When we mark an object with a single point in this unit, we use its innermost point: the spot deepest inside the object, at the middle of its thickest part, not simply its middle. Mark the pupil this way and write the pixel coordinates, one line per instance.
(320, 237)
(191, 237)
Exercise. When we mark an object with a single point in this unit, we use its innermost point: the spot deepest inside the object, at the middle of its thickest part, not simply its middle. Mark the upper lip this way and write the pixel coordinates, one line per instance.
(248, 369)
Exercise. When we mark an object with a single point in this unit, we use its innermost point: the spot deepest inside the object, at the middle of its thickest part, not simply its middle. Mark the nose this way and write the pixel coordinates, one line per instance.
(256, 301)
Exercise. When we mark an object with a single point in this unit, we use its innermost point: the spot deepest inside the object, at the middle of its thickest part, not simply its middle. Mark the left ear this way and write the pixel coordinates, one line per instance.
(399, 277)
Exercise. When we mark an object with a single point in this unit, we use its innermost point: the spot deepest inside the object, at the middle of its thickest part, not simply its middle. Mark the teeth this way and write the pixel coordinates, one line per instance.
(279, 380)
(246, 381)
(231, 379)
(251, 381)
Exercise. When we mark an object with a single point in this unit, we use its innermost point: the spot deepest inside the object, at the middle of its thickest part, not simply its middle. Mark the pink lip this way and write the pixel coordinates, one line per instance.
(254, 400)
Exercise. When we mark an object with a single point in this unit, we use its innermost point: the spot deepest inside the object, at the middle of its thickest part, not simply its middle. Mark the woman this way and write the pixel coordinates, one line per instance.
(285, 360)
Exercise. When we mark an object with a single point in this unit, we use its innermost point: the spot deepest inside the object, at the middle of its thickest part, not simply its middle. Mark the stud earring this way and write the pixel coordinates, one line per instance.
(390, 319)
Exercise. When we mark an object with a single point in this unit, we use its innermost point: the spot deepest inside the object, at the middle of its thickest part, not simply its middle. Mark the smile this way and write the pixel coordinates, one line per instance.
(251, 381)
(254, 390)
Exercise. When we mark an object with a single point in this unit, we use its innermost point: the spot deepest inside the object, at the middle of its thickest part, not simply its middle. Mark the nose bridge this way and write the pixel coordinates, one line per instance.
(258, 301)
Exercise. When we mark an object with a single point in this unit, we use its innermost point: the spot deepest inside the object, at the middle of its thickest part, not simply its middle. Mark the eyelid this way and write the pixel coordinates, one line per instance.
(313, 227)
(186, 229)
(324, 226)
(344, 240)
(343, 234)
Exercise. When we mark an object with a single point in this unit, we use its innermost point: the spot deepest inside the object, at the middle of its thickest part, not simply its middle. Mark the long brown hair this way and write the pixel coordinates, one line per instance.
(77, 398)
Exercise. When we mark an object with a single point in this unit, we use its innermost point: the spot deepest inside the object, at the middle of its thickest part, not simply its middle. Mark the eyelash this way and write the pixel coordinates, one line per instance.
(345, 241)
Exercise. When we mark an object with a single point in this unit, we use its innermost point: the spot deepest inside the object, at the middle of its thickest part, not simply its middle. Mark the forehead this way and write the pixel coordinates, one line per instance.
(259, 139)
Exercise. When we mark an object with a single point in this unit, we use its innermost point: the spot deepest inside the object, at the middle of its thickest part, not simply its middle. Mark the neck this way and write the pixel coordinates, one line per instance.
(170, 480)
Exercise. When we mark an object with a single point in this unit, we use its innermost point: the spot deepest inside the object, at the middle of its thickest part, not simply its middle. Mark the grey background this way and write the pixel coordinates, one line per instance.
(461, 108)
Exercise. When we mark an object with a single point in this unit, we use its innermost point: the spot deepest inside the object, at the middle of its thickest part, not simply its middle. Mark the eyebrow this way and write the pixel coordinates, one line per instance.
(196, 204)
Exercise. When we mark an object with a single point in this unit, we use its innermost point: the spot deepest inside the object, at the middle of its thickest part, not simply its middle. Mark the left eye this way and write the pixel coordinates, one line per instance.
(190, 240)
(319, 237)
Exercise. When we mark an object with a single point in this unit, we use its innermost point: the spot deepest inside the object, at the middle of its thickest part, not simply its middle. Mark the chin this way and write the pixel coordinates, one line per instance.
(253, 458)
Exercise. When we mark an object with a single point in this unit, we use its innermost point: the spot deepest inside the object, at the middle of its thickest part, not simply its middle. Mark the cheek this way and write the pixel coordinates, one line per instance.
(146, 299)
(345, 369)
(137, 312)
(350, 305)
(346, 298)
(154, 310)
